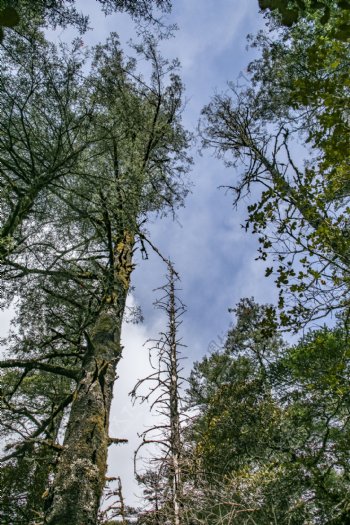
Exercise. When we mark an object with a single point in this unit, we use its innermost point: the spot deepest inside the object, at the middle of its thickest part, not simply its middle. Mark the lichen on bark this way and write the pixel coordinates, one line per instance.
(82, 466)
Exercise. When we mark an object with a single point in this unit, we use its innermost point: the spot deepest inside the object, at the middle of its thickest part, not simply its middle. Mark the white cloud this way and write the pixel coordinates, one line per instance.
(206, 30)
(6, 317)
(5, 320)
(128, 420)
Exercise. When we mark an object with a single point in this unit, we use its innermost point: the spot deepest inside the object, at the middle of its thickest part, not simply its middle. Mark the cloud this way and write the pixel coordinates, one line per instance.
(207, 31)
(6, 317)
(128, 420)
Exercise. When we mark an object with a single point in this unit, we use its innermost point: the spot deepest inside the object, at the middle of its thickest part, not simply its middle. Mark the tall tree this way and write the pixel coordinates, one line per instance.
(77, 260)
(143, 146)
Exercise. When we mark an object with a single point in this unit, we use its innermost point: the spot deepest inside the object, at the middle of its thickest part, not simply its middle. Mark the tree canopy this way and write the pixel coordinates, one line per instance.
(271, 426)
(25, 13)
(334, 13)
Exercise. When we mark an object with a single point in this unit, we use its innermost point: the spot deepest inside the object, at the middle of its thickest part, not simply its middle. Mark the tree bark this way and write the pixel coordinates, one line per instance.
(175, 429)
(80, 479)
(82, 467)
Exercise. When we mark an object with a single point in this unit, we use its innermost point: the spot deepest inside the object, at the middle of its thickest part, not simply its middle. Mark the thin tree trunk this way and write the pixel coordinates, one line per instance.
(166, 481)
(175, 431)
(121, 502)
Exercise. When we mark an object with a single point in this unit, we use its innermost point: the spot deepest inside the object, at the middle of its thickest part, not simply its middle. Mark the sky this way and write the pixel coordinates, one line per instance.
(212, 253)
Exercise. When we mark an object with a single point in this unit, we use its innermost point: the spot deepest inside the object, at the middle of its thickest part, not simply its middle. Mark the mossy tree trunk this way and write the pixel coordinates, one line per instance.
(80, 478)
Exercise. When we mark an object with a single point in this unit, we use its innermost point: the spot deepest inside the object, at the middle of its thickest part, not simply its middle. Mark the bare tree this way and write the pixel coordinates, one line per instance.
(113, 507)
(164, 395)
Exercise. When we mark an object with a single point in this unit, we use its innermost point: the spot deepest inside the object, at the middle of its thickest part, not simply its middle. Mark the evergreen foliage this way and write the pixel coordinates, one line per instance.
(86, 159)
(271, 427)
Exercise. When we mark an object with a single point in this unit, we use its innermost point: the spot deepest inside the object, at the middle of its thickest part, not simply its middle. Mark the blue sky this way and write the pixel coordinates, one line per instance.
(212, 253)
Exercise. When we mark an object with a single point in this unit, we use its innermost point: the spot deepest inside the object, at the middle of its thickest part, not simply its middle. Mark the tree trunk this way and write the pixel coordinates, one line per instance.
(81, 470)
(80, 478)
(175, 430)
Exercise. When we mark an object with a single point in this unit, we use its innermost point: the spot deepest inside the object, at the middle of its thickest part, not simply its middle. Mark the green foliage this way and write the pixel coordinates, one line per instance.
(327, 12)
(85, 159)
(23, 482)
(289, 14)
(44, 128)
(28, 400)
(8, 18)
(272, 426)
(26, 14)
(233, 393)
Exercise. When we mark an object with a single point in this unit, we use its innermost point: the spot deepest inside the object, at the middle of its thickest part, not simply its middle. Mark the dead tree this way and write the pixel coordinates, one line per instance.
(114, 509)
(163, 392)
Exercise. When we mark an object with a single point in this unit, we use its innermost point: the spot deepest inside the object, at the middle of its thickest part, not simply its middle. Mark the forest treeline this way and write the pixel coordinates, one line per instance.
(90, 150)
